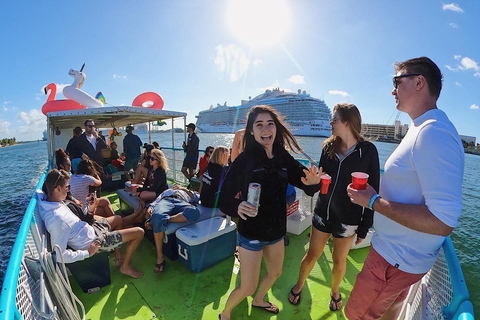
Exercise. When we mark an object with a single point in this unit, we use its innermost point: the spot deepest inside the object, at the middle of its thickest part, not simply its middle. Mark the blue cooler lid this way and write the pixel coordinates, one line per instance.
(202, 231)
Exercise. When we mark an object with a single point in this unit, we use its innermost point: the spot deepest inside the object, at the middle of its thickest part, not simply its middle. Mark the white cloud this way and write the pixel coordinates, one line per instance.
(452, 7)
(4, 131)
(31, 126)
(453, 25)
(466, 64)
(342, 93)
(297, 79)
(231, 62)
(458, 83)
(457, 57)
(257, 62)
(474, 107)
(5, 108)
(119, 76)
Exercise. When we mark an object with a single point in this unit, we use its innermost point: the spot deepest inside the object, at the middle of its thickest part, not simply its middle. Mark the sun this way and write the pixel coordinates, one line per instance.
(258, 22)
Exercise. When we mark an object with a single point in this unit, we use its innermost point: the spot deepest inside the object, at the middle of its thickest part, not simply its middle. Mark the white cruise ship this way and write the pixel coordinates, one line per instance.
(306, 116)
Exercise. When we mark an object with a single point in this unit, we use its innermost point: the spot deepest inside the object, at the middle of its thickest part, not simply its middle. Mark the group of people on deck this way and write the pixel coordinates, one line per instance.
(415, 206)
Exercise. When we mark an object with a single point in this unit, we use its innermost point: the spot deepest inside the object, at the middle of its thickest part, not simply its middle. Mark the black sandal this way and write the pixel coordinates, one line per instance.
(333, 304)
(295, 295)
(160, 267)
(270, 308)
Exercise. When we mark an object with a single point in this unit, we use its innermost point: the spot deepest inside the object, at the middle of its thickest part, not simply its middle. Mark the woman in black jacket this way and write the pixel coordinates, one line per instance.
(213, 176)
(261, 229)
(344, 152)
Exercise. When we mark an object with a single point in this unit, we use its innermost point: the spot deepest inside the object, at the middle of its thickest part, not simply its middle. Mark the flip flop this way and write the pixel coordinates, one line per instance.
(295, 295)
(333, 304)
(160, 267)
(266, 308)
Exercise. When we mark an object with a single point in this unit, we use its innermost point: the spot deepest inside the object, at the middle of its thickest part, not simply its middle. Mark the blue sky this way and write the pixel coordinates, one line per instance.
(200, 53)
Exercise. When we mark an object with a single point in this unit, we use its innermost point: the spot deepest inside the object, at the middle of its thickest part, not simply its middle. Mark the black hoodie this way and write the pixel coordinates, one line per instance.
(336, 205)
(274, 174)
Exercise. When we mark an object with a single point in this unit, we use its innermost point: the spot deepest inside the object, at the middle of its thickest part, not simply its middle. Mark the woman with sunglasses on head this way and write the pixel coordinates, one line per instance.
(156, 180)
(213, 176)
(202, 164)
(345, 152)
(265, 161)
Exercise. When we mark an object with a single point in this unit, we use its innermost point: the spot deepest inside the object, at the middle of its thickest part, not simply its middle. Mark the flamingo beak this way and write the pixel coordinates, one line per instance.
(82, 67)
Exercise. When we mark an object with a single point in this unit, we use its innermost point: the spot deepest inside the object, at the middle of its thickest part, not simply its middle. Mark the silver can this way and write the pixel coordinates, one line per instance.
(254, 190)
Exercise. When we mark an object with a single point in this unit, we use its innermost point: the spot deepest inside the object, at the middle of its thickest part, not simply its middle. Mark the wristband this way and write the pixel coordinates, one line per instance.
(372, 201)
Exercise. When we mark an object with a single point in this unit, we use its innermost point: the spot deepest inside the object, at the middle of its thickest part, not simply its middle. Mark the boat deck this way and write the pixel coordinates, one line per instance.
(178, 293)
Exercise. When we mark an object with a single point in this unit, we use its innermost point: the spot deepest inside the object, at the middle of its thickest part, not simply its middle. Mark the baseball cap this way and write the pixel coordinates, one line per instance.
(191, 125)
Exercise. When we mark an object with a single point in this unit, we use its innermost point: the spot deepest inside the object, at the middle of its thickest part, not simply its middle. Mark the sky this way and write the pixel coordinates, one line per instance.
(199, 53)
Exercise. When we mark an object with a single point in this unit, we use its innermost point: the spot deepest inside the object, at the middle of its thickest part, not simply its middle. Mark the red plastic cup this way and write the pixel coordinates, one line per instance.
(134, 187)
(325, 183)
(359, 180)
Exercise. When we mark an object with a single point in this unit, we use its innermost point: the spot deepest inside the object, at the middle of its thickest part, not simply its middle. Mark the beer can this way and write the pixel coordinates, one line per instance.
(254, 190)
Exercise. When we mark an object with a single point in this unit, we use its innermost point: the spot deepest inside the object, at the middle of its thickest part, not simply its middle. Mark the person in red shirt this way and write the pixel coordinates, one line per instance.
(203, 164)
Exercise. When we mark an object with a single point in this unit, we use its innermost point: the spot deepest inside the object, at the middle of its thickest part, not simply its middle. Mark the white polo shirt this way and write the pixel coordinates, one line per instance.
(427, 169)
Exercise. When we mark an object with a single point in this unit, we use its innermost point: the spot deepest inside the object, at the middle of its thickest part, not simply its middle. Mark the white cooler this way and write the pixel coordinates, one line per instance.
(299, 215)
(205, 243)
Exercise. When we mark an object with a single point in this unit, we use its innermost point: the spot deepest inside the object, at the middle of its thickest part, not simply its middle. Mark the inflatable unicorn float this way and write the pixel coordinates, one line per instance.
(79, 99)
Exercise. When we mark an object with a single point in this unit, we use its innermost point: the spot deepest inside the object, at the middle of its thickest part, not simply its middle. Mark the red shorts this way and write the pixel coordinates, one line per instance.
(377, 287)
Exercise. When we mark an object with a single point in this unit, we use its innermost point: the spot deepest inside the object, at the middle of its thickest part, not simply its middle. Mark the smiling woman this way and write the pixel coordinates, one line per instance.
(258, 22)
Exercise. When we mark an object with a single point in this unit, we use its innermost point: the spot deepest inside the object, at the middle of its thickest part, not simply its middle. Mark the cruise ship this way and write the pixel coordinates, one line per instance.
(305, 115)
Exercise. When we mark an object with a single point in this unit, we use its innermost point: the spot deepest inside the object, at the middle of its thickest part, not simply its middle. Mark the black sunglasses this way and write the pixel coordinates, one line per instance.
(152, 158)
(396, 83)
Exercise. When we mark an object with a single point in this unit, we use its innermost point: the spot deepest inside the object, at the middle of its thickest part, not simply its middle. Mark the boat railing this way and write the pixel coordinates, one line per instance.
(16, 300)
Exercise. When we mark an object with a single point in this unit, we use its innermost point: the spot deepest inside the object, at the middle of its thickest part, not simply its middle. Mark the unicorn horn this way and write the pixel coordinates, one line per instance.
(81, 69)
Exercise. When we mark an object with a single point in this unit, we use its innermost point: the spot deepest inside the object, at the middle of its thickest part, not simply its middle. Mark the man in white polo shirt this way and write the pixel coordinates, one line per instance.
(420, 197)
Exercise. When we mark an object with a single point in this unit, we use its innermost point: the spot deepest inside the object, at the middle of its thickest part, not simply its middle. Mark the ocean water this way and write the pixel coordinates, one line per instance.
(23, 165)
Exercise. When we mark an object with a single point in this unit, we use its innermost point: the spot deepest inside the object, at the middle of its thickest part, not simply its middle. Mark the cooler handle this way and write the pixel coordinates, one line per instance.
(183, 255)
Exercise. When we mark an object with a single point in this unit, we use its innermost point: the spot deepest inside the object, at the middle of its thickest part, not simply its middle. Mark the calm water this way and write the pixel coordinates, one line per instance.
(23, 165)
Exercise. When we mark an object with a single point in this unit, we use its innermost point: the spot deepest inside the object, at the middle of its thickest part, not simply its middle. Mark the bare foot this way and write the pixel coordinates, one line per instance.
(129, 271)
(118, 262)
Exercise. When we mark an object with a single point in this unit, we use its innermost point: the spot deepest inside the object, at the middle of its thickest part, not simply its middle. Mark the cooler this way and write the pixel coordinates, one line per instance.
(205, 243)
(300, 213)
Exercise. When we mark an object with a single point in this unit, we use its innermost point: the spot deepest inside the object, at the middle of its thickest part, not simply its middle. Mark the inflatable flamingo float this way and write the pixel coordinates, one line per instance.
(79, 99)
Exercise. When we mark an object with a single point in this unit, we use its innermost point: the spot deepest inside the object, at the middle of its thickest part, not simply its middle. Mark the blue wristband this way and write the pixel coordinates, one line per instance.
(372, 201)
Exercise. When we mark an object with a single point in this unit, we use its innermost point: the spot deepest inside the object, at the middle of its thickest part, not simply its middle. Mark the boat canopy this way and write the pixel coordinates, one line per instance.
(108, 117)
(104, 117)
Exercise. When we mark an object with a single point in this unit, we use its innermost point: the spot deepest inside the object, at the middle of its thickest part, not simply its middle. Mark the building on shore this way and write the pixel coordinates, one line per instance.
(383, 131)
(469, 139)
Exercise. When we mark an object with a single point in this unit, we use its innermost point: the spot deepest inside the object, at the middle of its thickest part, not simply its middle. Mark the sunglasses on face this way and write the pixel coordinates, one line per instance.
(152, 159)
(91, 126)
(395, 79)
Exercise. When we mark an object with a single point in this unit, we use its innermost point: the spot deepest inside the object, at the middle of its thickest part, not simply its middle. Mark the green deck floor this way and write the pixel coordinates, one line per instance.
(178, 293)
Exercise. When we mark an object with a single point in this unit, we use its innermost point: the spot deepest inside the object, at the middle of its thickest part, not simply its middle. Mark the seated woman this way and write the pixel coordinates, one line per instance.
(85, 177)
(142, 170)
(213, 176)
(156, 181)
(203, 164)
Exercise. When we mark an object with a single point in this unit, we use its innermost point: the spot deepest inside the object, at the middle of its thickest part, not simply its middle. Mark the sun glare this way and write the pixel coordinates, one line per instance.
(258, 22)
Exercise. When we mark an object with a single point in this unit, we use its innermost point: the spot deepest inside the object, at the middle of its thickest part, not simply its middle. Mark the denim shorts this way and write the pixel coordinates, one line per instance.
(254, 245)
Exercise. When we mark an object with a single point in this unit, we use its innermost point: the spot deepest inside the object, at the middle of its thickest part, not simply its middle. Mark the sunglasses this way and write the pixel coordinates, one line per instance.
(153, 159)
(407, 75)
(91, 126)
